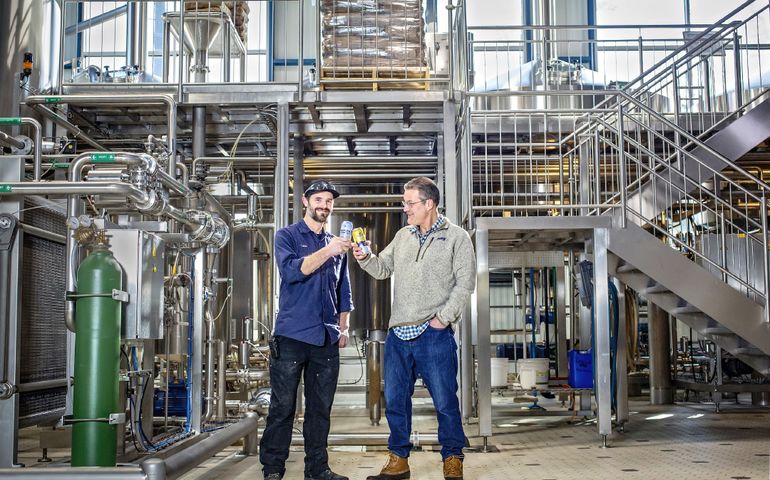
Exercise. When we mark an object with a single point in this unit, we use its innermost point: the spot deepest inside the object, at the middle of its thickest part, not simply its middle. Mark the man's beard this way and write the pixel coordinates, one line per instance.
(314, 214)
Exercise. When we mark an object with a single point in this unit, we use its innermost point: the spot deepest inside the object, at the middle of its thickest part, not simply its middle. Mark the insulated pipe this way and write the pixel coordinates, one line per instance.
(38, 139)
(141, 99)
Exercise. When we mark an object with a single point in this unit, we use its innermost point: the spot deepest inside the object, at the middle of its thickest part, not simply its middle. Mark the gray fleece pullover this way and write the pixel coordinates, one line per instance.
(435, 279)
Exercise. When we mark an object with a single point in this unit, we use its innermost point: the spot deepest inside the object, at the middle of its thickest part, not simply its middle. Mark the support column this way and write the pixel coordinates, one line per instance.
(661, 390)
(483, 348)
(13, 170)
(451, 177)
(561, 323)
(299, 177)
(136, 37)
(602, 386)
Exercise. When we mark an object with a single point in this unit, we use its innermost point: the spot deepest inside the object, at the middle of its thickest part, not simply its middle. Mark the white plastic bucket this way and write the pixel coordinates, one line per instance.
(499, 372)
(533, 373)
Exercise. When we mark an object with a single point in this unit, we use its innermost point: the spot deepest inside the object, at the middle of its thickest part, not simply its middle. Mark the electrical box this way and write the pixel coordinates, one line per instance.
(142, 256)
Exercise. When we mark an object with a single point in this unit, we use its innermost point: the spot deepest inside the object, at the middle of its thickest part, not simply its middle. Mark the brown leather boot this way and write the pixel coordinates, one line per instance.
(396, 468)
(453, 468)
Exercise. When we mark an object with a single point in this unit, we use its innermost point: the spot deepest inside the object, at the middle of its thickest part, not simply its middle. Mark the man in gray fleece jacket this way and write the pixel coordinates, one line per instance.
(434, 270)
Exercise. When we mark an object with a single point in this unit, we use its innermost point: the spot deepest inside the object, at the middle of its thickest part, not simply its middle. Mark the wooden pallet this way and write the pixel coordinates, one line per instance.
(369, 78)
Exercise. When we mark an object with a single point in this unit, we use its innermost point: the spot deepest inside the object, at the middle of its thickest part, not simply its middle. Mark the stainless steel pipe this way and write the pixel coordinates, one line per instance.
(180, 463)
(139, 99)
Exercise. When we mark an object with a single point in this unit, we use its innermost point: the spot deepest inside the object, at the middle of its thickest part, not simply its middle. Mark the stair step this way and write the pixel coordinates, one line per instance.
(717, 331)
(749, 351)
(657, 288)
(626, 268)
(687, 309)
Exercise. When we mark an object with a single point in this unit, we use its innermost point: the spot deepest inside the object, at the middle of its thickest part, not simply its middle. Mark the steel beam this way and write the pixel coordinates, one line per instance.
(483, 348)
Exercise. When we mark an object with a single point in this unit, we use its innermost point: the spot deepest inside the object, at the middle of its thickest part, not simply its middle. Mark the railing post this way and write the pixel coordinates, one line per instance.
(450, 42)
(301, 53)
(738, 73)
(766, 265)
(622, 166)
(180, 85)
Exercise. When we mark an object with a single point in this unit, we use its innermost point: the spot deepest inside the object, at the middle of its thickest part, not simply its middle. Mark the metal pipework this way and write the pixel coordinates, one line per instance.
(38, 139)
(368, 439)
(208, 411)
(10, 141)
(221, 382)
(205, 227)
(180, 463)
(136, 41)
(155, 468)
(247, 375)
(140, 99)
(65, 124)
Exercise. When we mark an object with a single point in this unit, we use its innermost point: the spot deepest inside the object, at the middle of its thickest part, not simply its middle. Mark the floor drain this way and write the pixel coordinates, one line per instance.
(725, 443)
(740, 478)
(629, 470)
(699, 461)
(642, 441)
(668, 450)
(762, 454)
(532, 464)
(567, 436)
(603, 457)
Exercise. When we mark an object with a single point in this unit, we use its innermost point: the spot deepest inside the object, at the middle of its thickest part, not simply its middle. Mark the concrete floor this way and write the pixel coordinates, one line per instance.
(687, 440)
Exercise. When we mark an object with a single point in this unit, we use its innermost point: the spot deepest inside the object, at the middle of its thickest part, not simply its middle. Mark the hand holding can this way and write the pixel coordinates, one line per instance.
(360, 239)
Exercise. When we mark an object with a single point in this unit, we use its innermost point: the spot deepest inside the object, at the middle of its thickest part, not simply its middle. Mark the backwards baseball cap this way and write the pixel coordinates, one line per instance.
(321, 186)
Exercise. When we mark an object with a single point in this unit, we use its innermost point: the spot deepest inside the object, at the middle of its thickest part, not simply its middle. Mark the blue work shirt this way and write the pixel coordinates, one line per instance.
(309, 305)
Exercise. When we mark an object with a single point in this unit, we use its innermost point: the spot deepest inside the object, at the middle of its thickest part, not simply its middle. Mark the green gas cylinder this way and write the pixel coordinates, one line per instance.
(97, 360)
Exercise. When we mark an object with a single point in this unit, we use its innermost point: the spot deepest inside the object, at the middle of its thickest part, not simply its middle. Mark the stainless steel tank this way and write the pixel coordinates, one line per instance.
(27, 26)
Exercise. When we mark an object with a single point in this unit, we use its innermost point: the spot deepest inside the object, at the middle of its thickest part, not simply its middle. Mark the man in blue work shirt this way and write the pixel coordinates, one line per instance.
(312, 324)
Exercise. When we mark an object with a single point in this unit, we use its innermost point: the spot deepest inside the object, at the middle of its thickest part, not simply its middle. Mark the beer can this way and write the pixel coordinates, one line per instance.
(346, 230)
(360, 239)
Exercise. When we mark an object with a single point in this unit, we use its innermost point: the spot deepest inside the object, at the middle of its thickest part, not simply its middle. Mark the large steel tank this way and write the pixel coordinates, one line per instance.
(27, 26)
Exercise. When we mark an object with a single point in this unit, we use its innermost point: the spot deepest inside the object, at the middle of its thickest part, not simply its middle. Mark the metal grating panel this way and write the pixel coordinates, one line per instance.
(43, 334)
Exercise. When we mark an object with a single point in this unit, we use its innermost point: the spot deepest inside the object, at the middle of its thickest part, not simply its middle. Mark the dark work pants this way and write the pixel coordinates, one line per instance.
(321, 366)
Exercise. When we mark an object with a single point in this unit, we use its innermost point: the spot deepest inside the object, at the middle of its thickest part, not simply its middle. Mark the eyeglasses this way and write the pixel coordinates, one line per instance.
(412, 204)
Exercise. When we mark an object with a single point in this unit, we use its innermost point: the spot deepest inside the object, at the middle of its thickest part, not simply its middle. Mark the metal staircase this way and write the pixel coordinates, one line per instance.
(692, 231)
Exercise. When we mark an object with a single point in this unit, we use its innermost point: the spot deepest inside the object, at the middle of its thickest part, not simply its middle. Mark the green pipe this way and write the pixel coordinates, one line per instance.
(97, 360)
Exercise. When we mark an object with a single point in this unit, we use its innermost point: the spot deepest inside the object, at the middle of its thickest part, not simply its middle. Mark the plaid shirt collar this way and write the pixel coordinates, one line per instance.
(415, 229)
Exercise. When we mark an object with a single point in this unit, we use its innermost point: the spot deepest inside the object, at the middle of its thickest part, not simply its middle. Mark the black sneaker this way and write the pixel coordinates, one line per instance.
(274, 476)
(326, 475)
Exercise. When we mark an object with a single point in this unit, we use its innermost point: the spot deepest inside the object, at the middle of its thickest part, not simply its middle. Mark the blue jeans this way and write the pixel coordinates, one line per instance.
(432, 356)
(321, 366)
